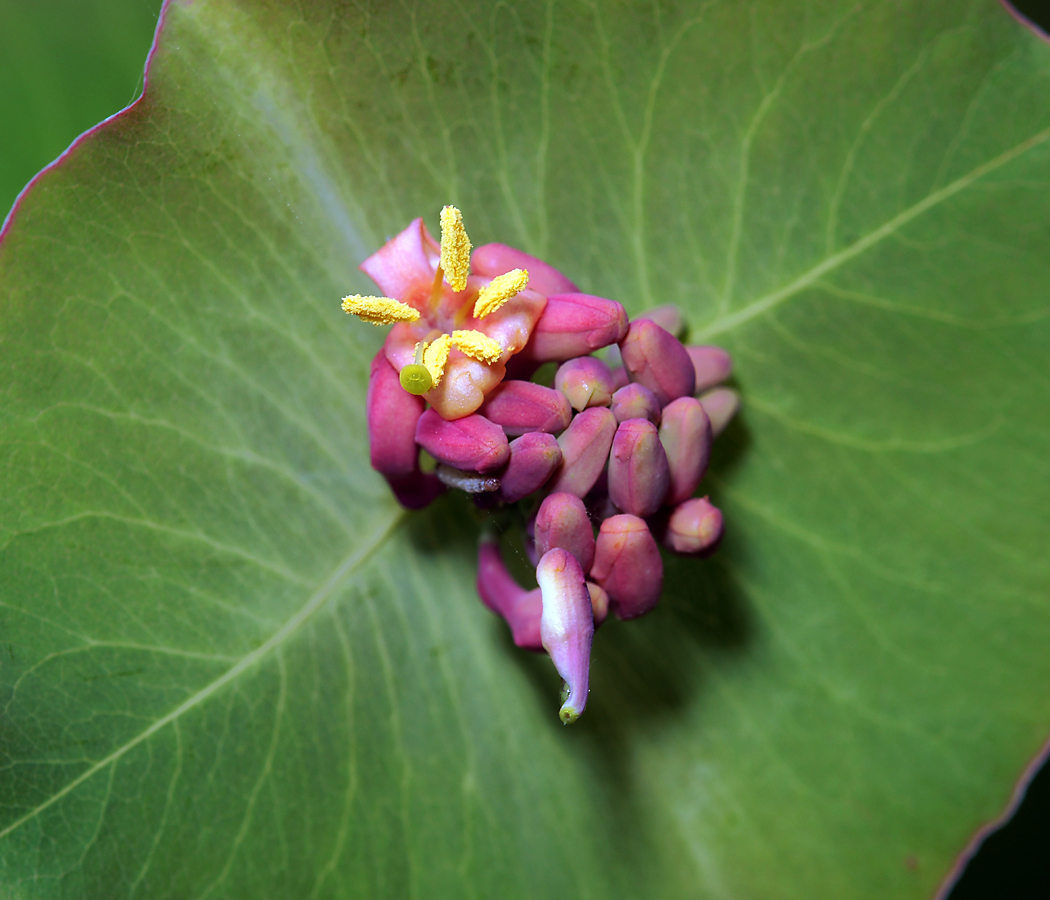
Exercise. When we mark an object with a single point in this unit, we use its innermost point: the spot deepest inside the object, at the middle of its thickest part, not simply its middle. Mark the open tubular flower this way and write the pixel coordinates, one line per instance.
(599, 470)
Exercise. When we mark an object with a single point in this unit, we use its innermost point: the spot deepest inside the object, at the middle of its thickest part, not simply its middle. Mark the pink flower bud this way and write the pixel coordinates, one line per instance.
(620, 377)
(585, 448)
(599, 602)
(635, 401)
(694, 527)
(496, 259)
(562, 521)
(638, 472)
(655, 358)
(520, 407)
(574, 325)
(392, 417)
(668, 317)
(566, 626)
(586, 381)
(416, 490)
(533, 459)
(627, 565)
(521, 609)
(720, 405)
(711, 365)
(472, 442)
(685, 432)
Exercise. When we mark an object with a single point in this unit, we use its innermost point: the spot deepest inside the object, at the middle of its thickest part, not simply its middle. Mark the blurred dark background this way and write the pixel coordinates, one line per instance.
(67, 64)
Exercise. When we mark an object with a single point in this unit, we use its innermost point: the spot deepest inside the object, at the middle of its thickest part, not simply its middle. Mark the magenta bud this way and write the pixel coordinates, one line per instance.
(599, 602)
(720, 405)
(654, 357)
(575, 325)
(620, 376)
(585, 448)
(635, 401)
(499, 591)
(694, 527)
(668, 317)
(562, 521)
(627, 565)
(638, 472)
(685, 432)
(521, 407)
(586, 381)
(533, 459)
(711, 365)
(417, 490)
(472, 442)
(566, 626)
(392, 417)
(497, 259)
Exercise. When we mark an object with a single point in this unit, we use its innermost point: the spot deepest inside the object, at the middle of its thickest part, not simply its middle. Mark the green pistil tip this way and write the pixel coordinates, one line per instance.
(416, 379)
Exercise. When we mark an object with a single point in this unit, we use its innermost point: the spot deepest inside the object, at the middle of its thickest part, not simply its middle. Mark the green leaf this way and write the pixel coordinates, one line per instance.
(231, 667)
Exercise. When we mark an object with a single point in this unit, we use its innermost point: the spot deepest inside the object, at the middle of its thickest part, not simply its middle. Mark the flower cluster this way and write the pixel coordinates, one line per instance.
(619, 444)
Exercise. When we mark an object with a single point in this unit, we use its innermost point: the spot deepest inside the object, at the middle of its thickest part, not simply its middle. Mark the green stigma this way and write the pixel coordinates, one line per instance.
(416, 379)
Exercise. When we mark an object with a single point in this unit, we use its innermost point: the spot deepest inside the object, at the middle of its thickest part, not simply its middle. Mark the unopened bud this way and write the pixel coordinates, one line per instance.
(576, 325)
(562, 521)
(599, 602)
(417, 489)
(720, 405)
(669, 317)
(694, 527)
(586, 381)
(685, 432)
(566, 626)
(585, 449)
(533, 459)
(521, 609)
(635, 401)
(655, 358)
(392, 418)
(521, 407)
(638, 472)
(711, 365)
(627, 565)
(497, 259)
(472, 442)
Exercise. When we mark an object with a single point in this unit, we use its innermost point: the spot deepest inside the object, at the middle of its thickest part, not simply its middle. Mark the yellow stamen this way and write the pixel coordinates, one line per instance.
(379, 310)
(455, 248)
(499, 291)
(478, 346)
(435, 355)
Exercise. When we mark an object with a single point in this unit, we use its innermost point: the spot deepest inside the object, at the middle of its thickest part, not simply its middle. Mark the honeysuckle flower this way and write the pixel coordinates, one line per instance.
(655, 358)
(711, 365)
(585, 450)
(523, 406)
(635, 401)
(720, 405)
(638, 471)
(454, 330)
(534, 457)
(685, 432)
(585, 381)
(694, 527)
(562, 521)
(566, 626)
(627, 565)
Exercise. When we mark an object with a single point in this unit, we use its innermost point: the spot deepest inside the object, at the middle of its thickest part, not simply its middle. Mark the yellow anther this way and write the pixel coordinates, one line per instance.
(499, 291)
(435, 355)
(379, 310)
(478, 346)
(455, 248)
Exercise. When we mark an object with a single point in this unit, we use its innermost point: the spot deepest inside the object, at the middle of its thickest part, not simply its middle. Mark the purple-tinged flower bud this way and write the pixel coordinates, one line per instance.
(417, 489)
(586, 381)
(566, 625)
(521, 407)
(635, 401)
(685, 432)
(620, 377)
(720, 405)
(694, 527)
(472, 442)
(392, 417)
(668, 317)
(533, 459)
(585, 449)
(711, 365)
(562, 521)
(627, 564)
(575, 325)
(638, 472)
(599, 602)
(655, 358)
(496, 259)
(521, 609)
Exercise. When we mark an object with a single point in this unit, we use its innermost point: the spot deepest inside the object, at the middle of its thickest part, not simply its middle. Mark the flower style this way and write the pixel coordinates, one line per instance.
(616, 446)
